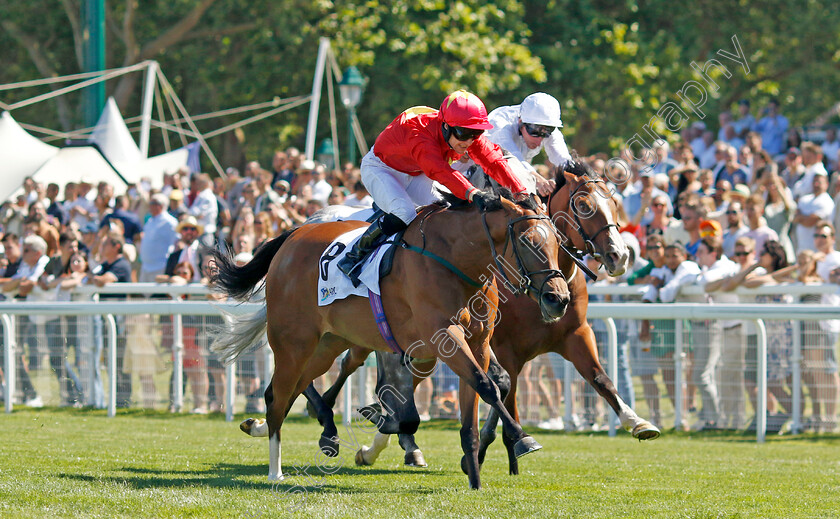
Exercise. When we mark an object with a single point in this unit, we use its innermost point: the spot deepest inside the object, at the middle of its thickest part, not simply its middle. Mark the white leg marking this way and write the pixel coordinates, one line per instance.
(275, 472)
(380, 441)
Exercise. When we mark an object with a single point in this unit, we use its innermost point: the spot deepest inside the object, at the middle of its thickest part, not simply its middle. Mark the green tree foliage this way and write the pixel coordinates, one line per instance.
(611, 64)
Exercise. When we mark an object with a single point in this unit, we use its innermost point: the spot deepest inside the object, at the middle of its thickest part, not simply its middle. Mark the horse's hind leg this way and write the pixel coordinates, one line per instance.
(329, 437)
(581, 351)
(349, 364)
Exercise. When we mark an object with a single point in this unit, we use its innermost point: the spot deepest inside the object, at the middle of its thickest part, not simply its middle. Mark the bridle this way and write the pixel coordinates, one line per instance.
(589, 241)
(526, 283)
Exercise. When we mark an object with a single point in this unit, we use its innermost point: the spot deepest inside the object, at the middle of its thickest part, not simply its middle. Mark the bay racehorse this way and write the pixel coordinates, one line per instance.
(434, 305)
(585, 212)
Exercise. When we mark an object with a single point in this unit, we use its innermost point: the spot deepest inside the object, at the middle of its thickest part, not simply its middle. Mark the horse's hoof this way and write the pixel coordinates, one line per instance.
(328, 445)
(360, 458)
(646, 431)
(254, 427)
(276, 477)
(415, 459)
(526, 445)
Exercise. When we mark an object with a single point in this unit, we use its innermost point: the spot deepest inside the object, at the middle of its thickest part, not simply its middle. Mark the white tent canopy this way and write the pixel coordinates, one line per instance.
(112, 136)
(75, 163)
(21, 154)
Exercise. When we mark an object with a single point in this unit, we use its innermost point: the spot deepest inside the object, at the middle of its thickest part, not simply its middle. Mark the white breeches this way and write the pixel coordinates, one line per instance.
(396, 192)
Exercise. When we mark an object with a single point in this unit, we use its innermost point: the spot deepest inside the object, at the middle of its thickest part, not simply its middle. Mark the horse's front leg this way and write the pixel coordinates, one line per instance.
(463, 363)
(502, 379)
(469, 434)
(581, 351)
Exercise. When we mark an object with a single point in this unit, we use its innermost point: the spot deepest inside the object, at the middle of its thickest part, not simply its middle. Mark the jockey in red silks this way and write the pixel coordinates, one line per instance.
(417, 148)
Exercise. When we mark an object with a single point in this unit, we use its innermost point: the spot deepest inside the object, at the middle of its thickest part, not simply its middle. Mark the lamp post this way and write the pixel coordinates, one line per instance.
(326, 153)
(351, 87)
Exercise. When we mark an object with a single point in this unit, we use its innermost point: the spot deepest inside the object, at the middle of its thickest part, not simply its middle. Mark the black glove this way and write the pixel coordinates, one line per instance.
(482, 200)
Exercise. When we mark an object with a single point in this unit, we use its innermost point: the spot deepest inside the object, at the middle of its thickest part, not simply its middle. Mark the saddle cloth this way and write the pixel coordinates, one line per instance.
(333, 284)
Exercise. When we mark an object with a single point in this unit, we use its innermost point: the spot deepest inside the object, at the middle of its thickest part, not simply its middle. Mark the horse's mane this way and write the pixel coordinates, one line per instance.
(493, 200)
(577, 167)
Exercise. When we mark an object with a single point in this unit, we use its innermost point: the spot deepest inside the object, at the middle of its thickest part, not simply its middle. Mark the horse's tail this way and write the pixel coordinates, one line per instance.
(240, 282)
(239, 334)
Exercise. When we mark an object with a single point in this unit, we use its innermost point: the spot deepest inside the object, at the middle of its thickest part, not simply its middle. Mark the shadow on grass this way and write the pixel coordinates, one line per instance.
(228, 475)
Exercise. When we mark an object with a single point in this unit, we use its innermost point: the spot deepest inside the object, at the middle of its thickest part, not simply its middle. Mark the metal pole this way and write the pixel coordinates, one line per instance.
(612, 366)
(230, 391)
(9, 367)
(348, 398)
(178, 368)
(146, 116)
(796, 366)
(678, 373)
(761, 382)
(93, 14)
(312, 124)
(351, 139)
(111, 323)
(568, 415)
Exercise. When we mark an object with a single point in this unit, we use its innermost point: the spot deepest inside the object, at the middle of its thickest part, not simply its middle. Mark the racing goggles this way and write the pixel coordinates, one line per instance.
(538, 130)
(465, 134)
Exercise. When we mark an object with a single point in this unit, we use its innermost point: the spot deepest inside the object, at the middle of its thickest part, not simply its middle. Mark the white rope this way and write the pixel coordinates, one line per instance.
(331, 98)
(167, 96)
(255, 118)
(159, 104)
(71, 77)
(192, 126)
(77, 86)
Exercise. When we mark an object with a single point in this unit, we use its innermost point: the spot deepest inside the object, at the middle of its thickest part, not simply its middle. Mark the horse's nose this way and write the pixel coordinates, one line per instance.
(616, 262)
(554, 305)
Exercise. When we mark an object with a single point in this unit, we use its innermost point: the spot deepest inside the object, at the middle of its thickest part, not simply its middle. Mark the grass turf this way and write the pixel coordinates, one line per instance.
(63, 463)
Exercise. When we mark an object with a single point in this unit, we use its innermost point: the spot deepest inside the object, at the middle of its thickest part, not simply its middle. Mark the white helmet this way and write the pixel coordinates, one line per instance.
(540, 108)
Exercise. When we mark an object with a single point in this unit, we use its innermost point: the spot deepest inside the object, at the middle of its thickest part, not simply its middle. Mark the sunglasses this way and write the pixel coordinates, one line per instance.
(27, 250)
(649, 247)
(189, 229)
(742, 253)
(823, 236)
(538, 130)
(732, 212)
(465, 134)
(658, 204)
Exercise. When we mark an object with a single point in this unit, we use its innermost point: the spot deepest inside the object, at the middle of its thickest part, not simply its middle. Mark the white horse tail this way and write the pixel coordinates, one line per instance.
(238, 334)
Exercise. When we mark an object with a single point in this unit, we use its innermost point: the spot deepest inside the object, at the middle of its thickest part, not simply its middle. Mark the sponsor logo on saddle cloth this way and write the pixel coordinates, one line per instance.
(333, 284)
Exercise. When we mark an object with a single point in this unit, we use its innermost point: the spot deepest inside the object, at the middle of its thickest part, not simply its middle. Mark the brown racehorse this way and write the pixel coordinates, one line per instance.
(521, 335)
(429, 301)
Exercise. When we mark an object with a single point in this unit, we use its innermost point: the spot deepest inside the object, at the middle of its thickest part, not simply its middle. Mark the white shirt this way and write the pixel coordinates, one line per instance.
(824, 268)
(321, 190)
(830, 150)
(158, 238)
(805, 185)
(205, 208)
(505, 133)
(822, 206)
(686, 274)
(353, 201)
(722, 268)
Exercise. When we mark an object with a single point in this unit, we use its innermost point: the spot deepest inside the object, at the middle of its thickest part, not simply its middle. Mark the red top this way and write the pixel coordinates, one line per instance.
(413, 143)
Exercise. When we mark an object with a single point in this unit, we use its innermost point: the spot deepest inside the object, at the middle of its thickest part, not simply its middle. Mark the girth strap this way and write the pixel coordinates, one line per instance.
(382, 322)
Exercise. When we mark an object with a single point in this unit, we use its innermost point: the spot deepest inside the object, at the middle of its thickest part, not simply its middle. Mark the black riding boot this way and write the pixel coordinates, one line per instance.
(351, 264)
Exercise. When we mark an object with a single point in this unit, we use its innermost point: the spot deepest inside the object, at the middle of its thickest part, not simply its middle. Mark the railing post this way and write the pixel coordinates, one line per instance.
(348, 398)
(612, 366)
(230, 390)
(9, 357)
(796, 366)
(761, 381)
(568, 415)
(112, 365)
(678, 373)
(178, 360)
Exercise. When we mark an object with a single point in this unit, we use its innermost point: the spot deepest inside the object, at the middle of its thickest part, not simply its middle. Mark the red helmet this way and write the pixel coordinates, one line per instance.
(466, 110)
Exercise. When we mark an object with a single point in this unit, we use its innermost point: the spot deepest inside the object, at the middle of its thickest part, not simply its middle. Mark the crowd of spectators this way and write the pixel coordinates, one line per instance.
(746, 203)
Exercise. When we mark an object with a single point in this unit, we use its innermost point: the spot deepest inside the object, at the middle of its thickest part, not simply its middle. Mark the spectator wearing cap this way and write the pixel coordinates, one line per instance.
(812, 160)
(176, 207)
(772, 127)
(811, 208)
(204, 208)
(158, 239)
(131, 224)
(735, 227)
(186, 249)
(303, 177)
